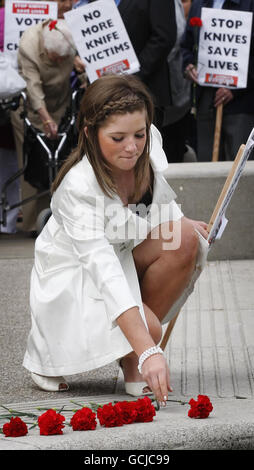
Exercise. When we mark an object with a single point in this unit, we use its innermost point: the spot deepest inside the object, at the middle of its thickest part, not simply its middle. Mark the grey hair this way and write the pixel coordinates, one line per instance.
(58, 40)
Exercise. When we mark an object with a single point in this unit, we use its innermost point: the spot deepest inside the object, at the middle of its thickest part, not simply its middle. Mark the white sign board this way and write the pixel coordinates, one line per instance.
(21, 15)
(101, 39)
(218, 219)
(224, 45)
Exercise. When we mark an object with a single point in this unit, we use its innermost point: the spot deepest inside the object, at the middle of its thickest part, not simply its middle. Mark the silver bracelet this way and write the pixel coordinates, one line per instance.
(147, 353)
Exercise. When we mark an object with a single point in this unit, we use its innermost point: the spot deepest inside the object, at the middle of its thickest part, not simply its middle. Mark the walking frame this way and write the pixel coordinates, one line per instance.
(52, 157)
(219, 210)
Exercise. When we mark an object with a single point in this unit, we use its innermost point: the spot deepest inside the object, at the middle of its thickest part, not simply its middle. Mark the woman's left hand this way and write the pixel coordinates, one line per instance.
(200, 226)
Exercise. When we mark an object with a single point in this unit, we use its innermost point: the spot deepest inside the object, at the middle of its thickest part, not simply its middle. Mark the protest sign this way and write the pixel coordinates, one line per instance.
(218, 220)
(224, 46)
(101, 39)
(21, 15)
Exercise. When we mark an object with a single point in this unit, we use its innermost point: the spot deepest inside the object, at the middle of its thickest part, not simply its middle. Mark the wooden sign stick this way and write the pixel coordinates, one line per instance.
(217, 133)
(168, 332)
(212, 219)
(225, 187)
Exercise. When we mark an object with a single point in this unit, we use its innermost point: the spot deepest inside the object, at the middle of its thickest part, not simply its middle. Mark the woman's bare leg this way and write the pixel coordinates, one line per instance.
(163, 275)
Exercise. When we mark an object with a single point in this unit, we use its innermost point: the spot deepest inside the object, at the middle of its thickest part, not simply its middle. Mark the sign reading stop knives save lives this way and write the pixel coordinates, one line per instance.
(101, 39)
(224, 48)
(21, 15)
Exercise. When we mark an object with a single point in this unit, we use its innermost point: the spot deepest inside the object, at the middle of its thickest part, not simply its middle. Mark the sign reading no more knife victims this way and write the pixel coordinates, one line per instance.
(224, 47)
(101, 39)
(21, 15)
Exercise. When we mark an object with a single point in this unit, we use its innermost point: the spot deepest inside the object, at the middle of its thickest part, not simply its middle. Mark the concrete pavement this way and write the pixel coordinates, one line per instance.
(211, 352)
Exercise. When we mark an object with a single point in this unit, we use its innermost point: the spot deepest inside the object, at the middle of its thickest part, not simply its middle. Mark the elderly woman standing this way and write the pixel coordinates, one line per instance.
(45, 59)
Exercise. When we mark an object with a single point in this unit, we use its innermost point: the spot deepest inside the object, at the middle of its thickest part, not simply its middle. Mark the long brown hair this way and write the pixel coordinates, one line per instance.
(108, 95)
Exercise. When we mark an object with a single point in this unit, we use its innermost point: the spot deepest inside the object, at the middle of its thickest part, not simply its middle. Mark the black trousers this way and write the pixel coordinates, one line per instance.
(235, 130)
(175, 136)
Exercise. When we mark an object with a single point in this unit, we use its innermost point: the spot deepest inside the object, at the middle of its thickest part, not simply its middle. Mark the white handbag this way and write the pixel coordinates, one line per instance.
(11, 83)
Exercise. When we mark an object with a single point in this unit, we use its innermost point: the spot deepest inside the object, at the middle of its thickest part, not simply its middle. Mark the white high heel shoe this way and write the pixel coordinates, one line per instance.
(135, 389)
(50, 384)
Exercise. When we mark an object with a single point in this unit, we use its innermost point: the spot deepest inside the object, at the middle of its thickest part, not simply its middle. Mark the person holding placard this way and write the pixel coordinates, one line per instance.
(238, 114)
(151, 26)
(117, 257)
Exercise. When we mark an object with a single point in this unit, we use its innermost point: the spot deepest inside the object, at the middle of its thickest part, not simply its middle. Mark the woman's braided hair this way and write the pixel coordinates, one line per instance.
(120, 106)
(107, 96)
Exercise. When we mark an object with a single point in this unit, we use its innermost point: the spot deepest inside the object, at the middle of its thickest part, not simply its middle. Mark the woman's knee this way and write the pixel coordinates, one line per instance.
(173, 244)
(187, 248)
(189, 242)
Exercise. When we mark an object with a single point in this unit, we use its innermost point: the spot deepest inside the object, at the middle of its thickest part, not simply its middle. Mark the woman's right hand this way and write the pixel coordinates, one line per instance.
(49, 125)
(155, 372)
(154, 369)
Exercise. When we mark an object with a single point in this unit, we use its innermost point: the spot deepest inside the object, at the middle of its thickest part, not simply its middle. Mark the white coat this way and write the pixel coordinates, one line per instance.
(84, 274)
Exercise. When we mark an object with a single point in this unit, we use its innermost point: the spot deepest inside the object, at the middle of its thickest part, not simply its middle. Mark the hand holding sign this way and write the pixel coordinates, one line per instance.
(229, 188)
(222, 96)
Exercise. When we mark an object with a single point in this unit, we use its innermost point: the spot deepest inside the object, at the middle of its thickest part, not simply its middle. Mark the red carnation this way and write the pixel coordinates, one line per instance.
(109, 416)
(145, 410)
(200, 408)
(128, 411)
(83, 420)
(52, 25)
(195, 21)
(50, 423)
(15, 428)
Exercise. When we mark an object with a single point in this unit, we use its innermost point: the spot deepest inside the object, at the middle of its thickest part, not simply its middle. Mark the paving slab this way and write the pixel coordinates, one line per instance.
(228, 427)
(211, 352)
